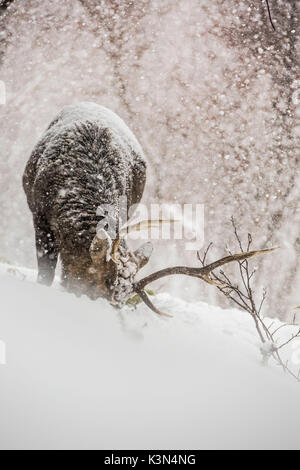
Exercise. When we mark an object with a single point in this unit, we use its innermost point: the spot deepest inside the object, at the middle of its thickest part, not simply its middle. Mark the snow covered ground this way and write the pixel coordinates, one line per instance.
(80, 375)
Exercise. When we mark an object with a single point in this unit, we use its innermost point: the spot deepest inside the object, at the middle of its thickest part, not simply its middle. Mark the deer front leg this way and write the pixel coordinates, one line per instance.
(46, 250)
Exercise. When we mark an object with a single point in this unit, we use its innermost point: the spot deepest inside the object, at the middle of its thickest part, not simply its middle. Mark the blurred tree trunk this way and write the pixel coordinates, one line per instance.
(116, 21)
(275, 54)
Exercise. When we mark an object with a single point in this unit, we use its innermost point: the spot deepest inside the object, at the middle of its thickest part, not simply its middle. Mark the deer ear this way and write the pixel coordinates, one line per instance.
(101, 246)
(143, 254)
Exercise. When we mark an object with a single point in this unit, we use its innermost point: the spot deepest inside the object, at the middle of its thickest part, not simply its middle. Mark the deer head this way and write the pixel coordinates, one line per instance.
(115, 266)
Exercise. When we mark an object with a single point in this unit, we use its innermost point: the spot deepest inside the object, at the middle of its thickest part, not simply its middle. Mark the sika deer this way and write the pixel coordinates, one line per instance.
(87, 160)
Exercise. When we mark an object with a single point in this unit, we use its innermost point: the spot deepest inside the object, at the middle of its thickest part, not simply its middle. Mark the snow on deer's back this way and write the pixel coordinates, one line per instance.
(86, 162)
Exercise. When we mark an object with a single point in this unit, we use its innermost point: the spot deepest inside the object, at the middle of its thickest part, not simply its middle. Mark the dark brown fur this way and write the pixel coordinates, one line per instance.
(86, 158)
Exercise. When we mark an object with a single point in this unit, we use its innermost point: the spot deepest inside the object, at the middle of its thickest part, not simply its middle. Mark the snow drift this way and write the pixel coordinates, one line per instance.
(80, 375)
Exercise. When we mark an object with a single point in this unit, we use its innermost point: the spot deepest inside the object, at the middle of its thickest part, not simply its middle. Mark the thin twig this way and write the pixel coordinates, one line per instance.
(270, 15)
(289, 341)
(244, 298)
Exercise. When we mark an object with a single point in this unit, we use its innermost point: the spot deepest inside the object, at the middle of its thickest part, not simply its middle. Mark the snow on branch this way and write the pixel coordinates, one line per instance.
(243, 295)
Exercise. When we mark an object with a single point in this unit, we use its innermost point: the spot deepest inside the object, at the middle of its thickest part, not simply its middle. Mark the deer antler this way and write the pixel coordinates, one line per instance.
(200, 273)
(137, 227)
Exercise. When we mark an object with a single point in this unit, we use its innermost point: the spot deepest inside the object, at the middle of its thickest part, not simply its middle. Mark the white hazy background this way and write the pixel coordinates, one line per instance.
(208, 88)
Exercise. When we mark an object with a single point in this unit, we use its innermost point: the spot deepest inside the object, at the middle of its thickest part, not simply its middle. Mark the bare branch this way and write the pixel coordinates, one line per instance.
(289, 341)
(243, 297)
(270, 15)
(202, 260)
